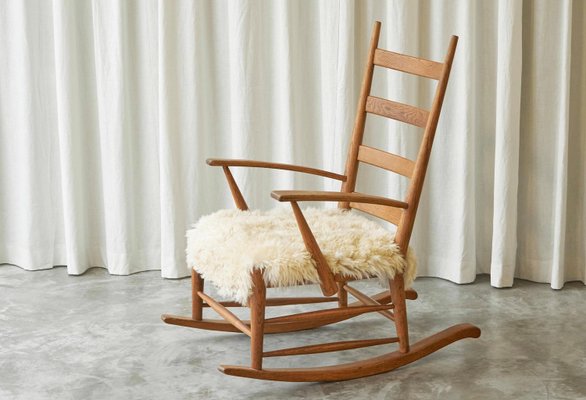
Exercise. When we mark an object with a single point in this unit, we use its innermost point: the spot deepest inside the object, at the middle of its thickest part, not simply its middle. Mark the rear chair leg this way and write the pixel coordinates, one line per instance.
(397, 286)
(342, 295)
(257, 304)
(196, 301)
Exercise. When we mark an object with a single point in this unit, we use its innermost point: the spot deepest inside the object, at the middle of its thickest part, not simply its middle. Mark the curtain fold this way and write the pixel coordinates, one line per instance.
(108, 110)
(506, 141)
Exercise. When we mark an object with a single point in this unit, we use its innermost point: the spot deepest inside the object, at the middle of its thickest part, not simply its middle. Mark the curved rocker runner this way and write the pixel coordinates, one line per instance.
(244, 253)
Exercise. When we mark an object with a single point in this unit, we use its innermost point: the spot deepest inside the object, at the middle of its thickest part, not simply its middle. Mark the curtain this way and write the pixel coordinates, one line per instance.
(109, 108)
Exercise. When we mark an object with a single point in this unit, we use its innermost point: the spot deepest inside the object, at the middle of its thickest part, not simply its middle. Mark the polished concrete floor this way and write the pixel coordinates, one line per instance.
(100, 337)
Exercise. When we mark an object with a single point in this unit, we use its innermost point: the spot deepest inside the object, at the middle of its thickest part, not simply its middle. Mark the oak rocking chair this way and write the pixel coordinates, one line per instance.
(245, 252)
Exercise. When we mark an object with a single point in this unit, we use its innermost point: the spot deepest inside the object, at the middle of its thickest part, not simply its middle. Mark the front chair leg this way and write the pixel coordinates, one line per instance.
(342, 295)
(257, 304)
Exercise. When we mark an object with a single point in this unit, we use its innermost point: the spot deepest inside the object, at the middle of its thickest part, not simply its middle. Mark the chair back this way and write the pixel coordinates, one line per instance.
(427, 120)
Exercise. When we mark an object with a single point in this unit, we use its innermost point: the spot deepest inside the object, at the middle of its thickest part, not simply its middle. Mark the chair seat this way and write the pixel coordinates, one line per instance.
(224, 247)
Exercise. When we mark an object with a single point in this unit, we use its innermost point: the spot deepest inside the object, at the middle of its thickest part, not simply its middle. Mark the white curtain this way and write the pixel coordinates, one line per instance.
(109, 108)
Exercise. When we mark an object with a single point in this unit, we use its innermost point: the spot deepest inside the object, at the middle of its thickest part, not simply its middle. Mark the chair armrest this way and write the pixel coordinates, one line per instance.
(221, 162)
(305, 195)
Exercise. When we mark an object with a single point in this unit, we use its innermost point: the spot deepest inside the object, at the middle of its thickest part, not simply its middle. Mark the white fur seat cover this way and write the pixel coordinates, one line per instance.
(225, 246)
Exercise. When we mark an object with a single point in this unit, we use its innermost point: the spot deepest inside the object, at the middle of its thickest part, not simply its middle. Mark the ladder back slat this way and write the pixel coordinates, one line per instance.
(399, 111)
(388, 161)
(412, 65)
(390, 214)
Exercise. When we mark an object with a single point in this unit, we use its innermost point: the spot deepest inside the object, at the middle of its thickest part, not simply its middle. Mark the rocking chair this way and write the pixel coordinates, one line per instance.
(245, 252)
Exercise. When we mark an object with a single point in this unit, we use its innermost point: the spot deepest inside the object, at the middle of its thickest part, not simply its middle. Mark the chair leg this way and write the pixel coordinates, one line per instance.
(257, 304)
(397, 286)
(342, 295)
(196, 301)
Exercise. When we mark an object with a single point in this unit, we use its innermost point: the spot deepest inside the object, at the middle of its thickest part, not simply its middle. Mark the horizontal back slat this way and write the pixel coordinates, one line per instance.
(390, 214)
(388, 161)
(399, 111)
(409, 64)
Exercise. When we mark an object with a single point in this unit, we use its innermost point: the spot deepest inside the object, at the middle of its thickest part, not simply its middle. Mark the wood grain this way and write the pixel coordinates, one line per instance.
(382, 159)
(412, 65)
(398, 111)
(390, 214)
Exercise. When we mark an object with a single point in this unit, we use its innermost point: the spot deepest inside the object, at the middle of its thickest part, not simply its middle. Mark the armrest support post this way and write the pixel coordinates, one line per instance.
(236, 193)
(328, 285)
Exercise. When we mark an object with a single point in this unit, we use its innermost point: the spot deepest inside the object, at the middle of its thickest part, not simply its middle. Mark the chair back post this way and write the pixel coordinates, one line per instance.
(405, 226)
(358, 132)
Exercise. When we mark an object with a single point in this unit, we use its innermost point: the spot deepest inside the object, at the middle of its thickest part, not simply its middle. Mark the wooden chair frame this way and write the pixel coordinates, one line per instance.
(391, 303)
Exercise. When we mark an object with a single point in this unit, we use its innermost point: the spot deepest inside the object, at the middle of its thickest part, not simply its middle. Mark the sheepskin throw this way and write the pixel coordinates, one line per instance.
(225, 246)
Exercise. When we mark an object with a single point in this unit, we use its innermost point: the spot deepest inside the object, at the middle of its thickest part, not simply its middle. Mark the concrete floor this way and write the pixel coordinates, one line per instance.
(100, 337)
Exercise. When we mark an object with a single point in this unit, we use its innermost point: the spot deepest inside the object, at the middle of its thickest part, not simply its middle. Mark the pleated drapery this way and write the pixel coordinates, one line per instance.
(109, 108)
